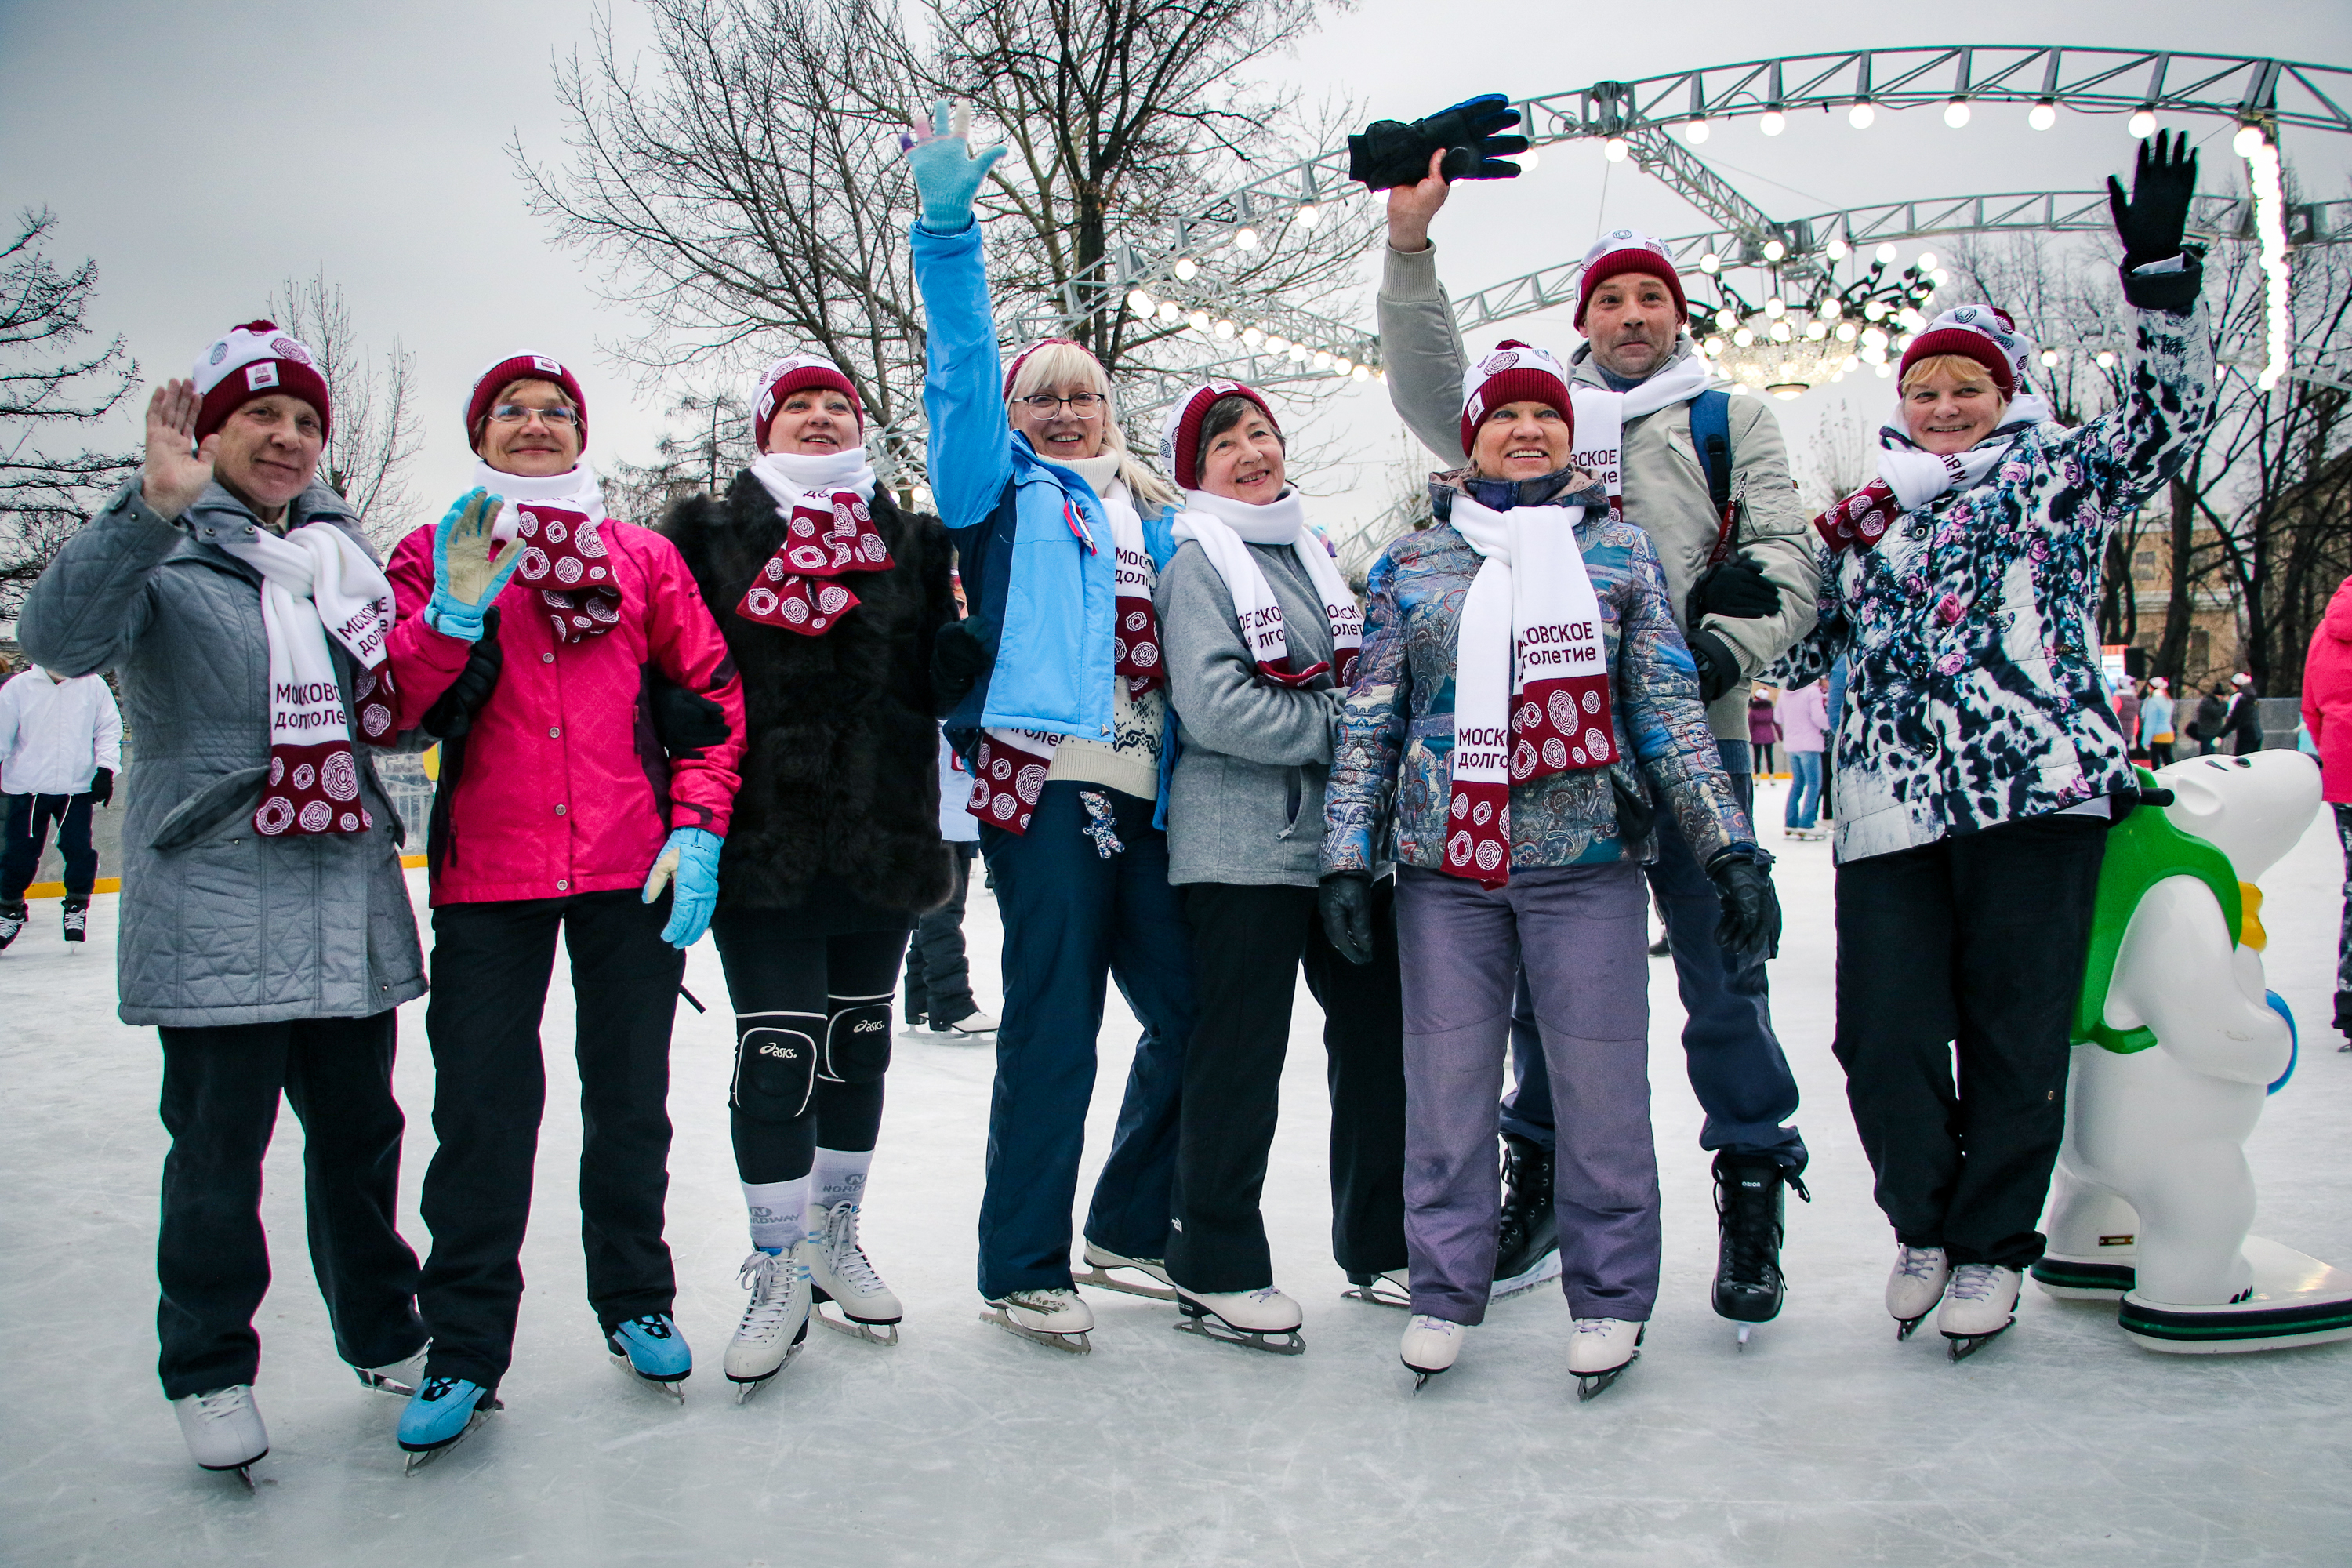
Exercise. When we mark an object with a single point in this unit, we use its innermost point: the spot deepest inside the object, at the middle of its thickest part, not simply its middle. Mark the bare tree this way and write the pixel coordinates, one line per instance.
(53, 391)
(377, 431)
(746, 191)
(1842, 458)
(700, 459)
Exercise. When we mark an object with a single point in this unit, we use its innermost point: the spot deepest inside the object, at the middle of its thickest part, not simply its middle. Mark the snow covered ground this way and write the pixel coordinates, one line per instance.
(1826, 1442)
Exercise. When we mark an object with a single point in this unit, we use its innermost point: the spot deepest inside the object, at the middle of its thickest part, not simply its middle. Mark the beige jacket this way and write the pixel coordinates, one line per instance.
(1666, 484)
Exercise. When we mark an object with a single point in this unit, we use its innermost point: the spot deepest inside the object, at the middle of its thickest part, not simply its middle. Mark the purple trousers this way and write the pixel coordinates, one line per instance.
(1578, 932)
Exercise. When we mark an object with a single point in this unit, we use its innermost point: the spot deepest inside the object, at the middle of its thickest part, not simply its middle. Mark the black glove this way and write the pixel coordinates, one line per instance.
(1391, 153)
(959, 658)
(1635, 813)
(454, 714)
(1718, 667)
(1736, 589)
(1750, 932)
(2155, 215)
(1345, 902)
(101, 786)
(687, 722)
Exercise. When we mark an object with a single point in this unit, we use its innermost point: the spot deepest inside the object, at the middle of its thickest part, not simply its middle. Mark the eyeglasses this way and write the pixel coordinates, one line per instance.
(1085, 405)
(515, 413)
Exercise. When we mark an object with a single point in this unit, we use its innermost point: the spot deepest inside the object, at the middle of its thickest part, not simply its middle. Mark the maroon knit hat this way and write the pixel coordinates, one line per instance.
(254, 360)
(1984, 333)
(1627, 250)
(1180, 434)
(501, 374)
(798, 373)
(1513, 372)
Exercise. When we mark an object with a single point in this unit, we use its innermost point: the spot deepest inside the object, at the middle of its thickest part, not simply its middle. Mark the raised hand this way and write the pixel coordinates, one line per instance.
(465, 578)
(177, 469)
(2153, 219)
(948, 173)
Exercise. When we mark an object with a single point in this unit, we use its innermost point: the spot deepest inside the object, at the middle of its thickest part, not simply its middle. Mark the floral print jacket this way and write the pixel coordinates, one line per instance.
(1391, 772)
(1975, 697)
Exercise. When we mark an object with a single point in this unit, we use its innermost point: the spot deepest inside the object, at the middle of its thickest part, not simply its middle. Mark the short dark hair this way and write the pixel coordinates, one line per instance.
(1229, 411)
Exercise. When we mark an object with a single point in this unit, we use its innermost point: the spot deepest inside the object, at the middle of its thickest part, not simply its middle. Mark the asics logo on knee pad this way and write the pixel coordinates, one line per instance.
(857, 1043)
(775, 1066)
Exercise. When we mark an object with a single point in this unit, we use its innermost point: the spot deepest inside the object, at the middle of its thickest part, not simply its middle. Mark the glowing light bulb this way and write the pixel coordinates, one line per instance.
(1615, 148)
(1829, 309)
(2043, 115)
(2107, 360)
(1775, 307)
(2049, 357)
(1926, 261)
(1525, 160)
(1884, 255)
(1815, 331)
(1140, 302)
(2141, 123)
(1252, 337)
(1861, 115)
(1710, 264)
(1244, 239)
(1225, 331)
(1774, 250)
(1743, 338)
(1362, 373)
(1727, 318)
(1838, 248)
(1187, 269)
(1322, 359)
(1274, 345)
(1713, 346)
(1695, 131)
(1956, 113)
(1308, 215)
(1845, 333)
(1342, 365)
(2248, 138)
(1170, 311)
(1781, 332)
(1885, 370)
(1198, 321)
(1774, 123)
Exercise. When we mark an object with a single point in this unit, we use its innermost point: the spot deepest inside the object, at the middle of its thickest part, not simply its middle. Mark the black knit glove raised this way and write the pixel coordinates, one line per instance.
(1392, 153)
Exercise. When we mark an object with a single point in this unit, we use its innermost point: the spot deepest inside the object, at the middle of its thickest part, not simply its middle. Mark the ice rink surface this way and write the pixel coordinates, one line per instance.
(1825, 1442)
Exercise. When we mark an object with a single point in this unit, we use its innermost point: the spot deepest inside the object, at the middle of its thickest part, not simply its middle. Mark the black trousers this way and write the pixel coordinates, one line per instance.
(29, 816)
(220, 1104)
(938, 975)
(829, 998)
(490, 968)
(1974, 948)
(1248, 944)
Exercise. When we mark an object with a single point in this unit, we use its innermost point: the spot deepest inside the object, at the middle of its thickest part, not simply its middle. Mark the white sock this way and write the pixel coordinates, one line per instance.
(840, 1176)
(779, 1212)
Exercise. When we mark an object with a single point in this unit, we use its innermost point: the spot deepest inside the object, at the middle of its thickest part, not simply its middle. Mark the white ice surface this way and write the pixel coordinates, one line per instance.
(1826, 1442)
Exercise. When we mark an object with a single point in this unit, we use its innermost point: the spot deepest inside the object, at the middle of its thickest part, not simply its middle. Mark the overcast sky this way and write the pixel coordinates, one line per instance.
(203, 152)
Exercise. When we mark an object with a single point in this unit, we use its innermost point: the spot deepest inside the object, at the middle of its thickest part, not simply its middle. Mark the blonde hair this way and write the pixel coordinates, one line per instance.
(1960, 367)
(1057, 364)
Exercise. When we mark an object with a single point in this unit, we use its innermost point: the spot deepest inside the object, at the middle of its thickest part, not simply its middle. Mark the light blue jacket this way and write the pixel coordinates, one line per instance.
(1040, 601)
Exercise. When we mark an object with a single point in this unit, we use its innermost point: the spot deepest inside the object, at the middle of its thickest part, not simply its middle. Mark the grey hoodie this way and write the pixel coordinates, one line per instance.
(1246, 802)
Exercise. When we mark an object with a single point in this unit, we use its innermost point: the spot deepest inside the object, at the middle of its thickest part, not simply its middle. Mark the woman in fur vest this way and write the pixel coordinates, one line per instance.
(829, 597)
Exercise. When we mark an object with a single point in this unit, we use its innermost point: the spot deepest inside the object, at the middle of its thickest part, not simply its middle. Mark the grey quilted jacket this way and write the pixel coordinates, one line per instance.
(219, 924)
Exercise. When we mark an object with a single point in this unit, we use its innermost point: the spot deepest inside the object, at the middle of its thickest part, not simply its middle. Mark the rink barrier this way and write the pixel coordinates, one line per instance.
(114, 884)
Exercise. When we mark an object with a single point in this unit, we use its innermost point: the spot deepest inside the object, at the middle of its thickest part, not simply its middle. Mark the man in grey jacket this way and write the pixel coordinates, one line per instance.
(270, 959)
(1257, 710)
(1743, 590)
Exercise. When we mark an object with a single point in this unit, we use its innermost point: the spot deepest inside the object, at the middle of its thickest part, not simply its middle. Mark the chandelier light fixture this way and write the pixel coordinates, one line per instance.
(1787, 347)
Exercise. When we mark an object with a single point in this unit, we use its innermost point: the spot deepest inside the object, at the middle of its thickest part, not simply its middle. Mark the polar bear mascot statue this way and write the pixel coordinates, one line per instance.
(2177, 1044)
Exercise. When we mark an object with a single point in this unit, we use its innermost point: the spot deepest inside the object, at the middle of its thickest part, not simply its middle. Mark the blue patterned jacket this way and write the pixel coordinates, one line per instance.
(1391, 773)
(1971, 629)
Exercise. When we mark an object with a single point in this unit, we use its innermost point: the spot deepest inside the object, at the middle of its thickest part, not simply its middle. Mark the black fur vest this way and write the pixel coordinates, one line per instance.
(840, 803)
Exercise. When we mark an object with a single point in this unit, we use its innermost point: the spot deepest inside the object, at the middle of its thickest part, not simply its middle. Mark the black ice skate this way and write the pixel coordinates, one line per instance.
(1751, 1209)
(77, 921)
(1264, 1318)
(12, 922)
(1526, 1241)
(1101, 1272)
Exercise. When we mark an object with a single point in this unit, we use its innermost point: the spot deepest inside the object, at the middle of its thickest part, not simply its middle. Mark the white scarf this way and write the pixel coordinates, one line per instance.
(1531, 676)
(1917, 477)
(796, 478)
(1225, 529)
(1601, 417)
(575, 489)
(1012, 764)
(315, 583)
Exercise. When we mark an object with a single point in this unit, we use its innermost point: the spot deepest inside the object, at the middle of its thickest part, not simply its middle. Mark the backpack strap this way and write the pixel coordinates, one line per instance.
(1710, 428)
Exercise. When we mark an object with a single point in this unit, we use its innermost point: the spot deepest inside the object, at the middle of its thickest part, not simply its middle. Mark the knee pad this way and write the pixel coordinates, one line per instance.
(858, 1039)
(775, 1065)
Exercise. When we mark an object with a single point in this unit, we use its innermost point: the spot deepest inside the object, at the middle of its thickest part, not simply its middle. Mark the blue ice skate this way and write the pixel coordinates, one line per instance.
(651, 1348)
(439, 1415)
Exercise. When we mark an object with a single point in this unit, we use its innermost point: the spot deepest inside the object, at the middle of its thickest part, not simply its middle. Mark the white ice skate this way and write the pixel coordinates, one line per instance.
(1430, 1347)
(840, 1273)
(973, 1026)
(775, 1324)
(1101, 1261)
(401, 1377)
(1980, 1305)
(1392, 1289)
(1602, 1351)
(1056, 1318)
(1264, 1318)
(1915, 1286)
(223, 1429)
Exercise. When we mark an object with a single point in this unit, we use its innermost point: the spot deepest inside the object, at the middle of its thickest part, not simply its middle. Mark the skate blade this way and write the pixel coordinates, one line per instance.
(1591, 1384)
(1906, 1327)
(1960, 1347)
(668, 1386)
(1378, 1296)
(872, 1333)
(1101, 1279)
(1075, 1344)
(382, 1385)
(1744, 1330)
(1547, 1269)
(1274, 1342)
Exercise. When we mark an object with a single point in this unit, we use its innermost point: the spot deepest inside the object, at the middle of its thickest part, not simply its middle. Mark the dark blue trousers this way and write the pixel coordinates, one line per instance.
(1075, 916)
(1736, 1067)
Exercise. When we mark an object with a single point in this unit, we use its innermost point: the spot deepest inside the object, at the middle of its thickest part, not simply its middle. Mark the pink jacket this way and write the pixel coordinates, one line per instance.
(1805, 716)
(2327, 695)
(561, 786)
